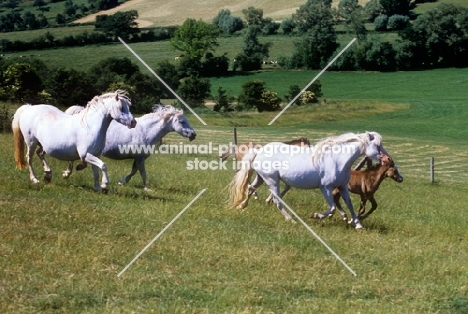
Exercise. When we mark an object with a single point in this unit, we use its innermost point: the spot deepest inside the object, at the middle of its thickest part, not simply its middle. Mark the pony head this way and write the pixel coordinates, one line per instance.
(118, 105)
(373, 145)
(179, 122)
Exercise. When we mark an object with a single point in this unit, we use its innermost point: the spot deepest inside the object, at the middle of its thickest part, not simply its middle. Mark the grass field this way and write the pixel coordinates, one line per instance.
(63, 244)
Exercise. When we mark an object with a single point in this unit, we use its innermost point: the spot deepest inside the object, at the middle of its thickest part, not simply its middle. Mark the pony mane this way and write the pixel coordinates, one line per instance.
(361, 138)
(96, 99)
(165, 112)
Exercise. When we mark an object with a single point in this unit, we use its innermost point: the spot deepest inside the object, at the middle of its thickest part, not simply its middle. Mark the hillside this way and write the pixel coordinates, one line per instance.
(175, 12)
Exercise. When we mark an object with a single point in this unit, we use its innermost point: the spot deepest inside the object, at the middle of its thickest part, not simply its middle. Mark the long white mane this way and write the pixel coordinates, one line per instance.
(165, 112)
(361, 138)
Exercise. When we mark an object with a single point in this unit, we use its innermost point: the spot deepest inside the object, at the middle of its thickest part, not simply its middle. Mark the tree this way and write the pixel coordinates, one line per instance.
(194, 90)
(251, 94)
(223, 102)
(253, 16)
(111, 70)
(391, 7)
(439, 37)
(354, 16)
(20, 83)
(227, 23)
(69, 87)
(120, 24)
(253, 52)
(314, 22)
(194, 38)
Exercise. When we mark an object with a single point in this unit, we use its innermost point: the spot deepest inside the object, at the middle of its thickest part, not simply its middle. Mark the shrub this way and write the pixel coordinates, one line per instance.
(380, 23)
(397, 22)
(269, 101)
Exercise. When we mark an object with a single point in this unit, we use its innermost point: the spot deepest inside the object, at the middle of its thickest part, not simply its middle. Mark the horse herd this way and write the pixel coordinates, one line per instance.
(106, 124)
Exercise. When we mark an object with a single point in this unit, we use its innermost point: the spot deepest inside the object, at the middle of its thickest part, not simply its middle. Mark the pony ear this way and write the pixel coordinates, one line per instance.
(116, 96)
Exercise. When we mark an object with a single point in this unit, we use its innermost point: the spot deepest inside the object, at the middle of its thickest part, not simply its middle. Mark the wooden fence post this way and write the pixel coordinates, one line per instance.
(431, 169)
(235, 136)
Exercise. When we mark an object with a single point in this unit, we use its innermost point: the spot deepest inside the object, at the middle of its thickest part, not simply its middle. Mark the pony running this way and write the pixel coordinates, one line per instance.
(69, 137)
(149, 131)
(326, 166)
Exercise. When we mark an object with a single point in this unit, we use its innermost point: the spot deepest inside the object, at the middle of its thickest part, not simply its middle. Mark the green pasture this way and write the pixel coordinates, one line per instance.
(63, 245)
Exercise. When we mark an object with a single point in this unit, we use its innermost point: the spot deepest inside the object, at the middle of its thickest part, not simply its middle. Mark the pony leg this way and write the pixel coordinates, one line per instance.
(270, 197)
(354, 218)
(328, 195)
(30, 154)
(275, 188)
(98, 163)
(47, 172)
(127, 178)
(336, 199)
(141, 168)
(255, 184)
(66, 173)
(374, 207)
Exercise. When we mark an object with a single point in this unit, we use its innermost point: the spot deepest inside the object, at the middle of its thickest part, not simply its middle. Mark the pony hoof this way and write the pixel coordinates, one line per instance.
(47, 177)
(317, 216)
(65, 175)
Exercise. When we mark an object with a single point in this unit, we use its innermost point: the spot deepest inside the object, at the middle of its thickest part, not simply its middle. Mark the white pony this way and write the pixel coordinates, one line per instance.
(138, 143)
(69, 137)
(327, 166)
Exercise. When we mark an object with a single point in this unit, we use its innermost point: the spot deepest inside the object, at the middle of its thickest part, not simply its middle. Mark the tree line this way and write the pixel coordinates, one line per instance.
(434, 39)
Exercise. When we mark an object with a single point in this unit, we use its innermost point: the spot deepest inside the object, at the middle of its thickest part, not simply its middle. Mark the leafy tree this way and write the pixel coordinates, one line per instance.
(69, 87)
(120, 24)
(372, 9)
(227, 23)
(194, 90)
(253, 52)
(195, 38)
(104, 4)
(439, 37)
(391, 7)
(380, 23)
(168, 72)
(251, 94)
(70, 9)
(111, 70)
(397, 22)
(314, 22)
(20, 82)
(253, 16)
(354, 16)
(270, 27)
(287, 26)
(223, 102)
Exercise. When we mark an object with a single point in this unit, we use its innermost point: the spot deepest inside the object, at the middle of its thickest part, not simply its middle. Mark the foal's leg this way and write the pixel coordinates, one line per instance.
(362, 208)
(47, 172)
(127, 178)
(98, 163)
(374, 207)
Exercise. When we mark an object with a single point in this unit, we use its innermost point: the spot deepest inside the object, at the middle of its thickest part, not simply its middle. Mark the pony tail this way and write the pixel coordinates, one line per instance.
(18, 138)
(238, 188)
